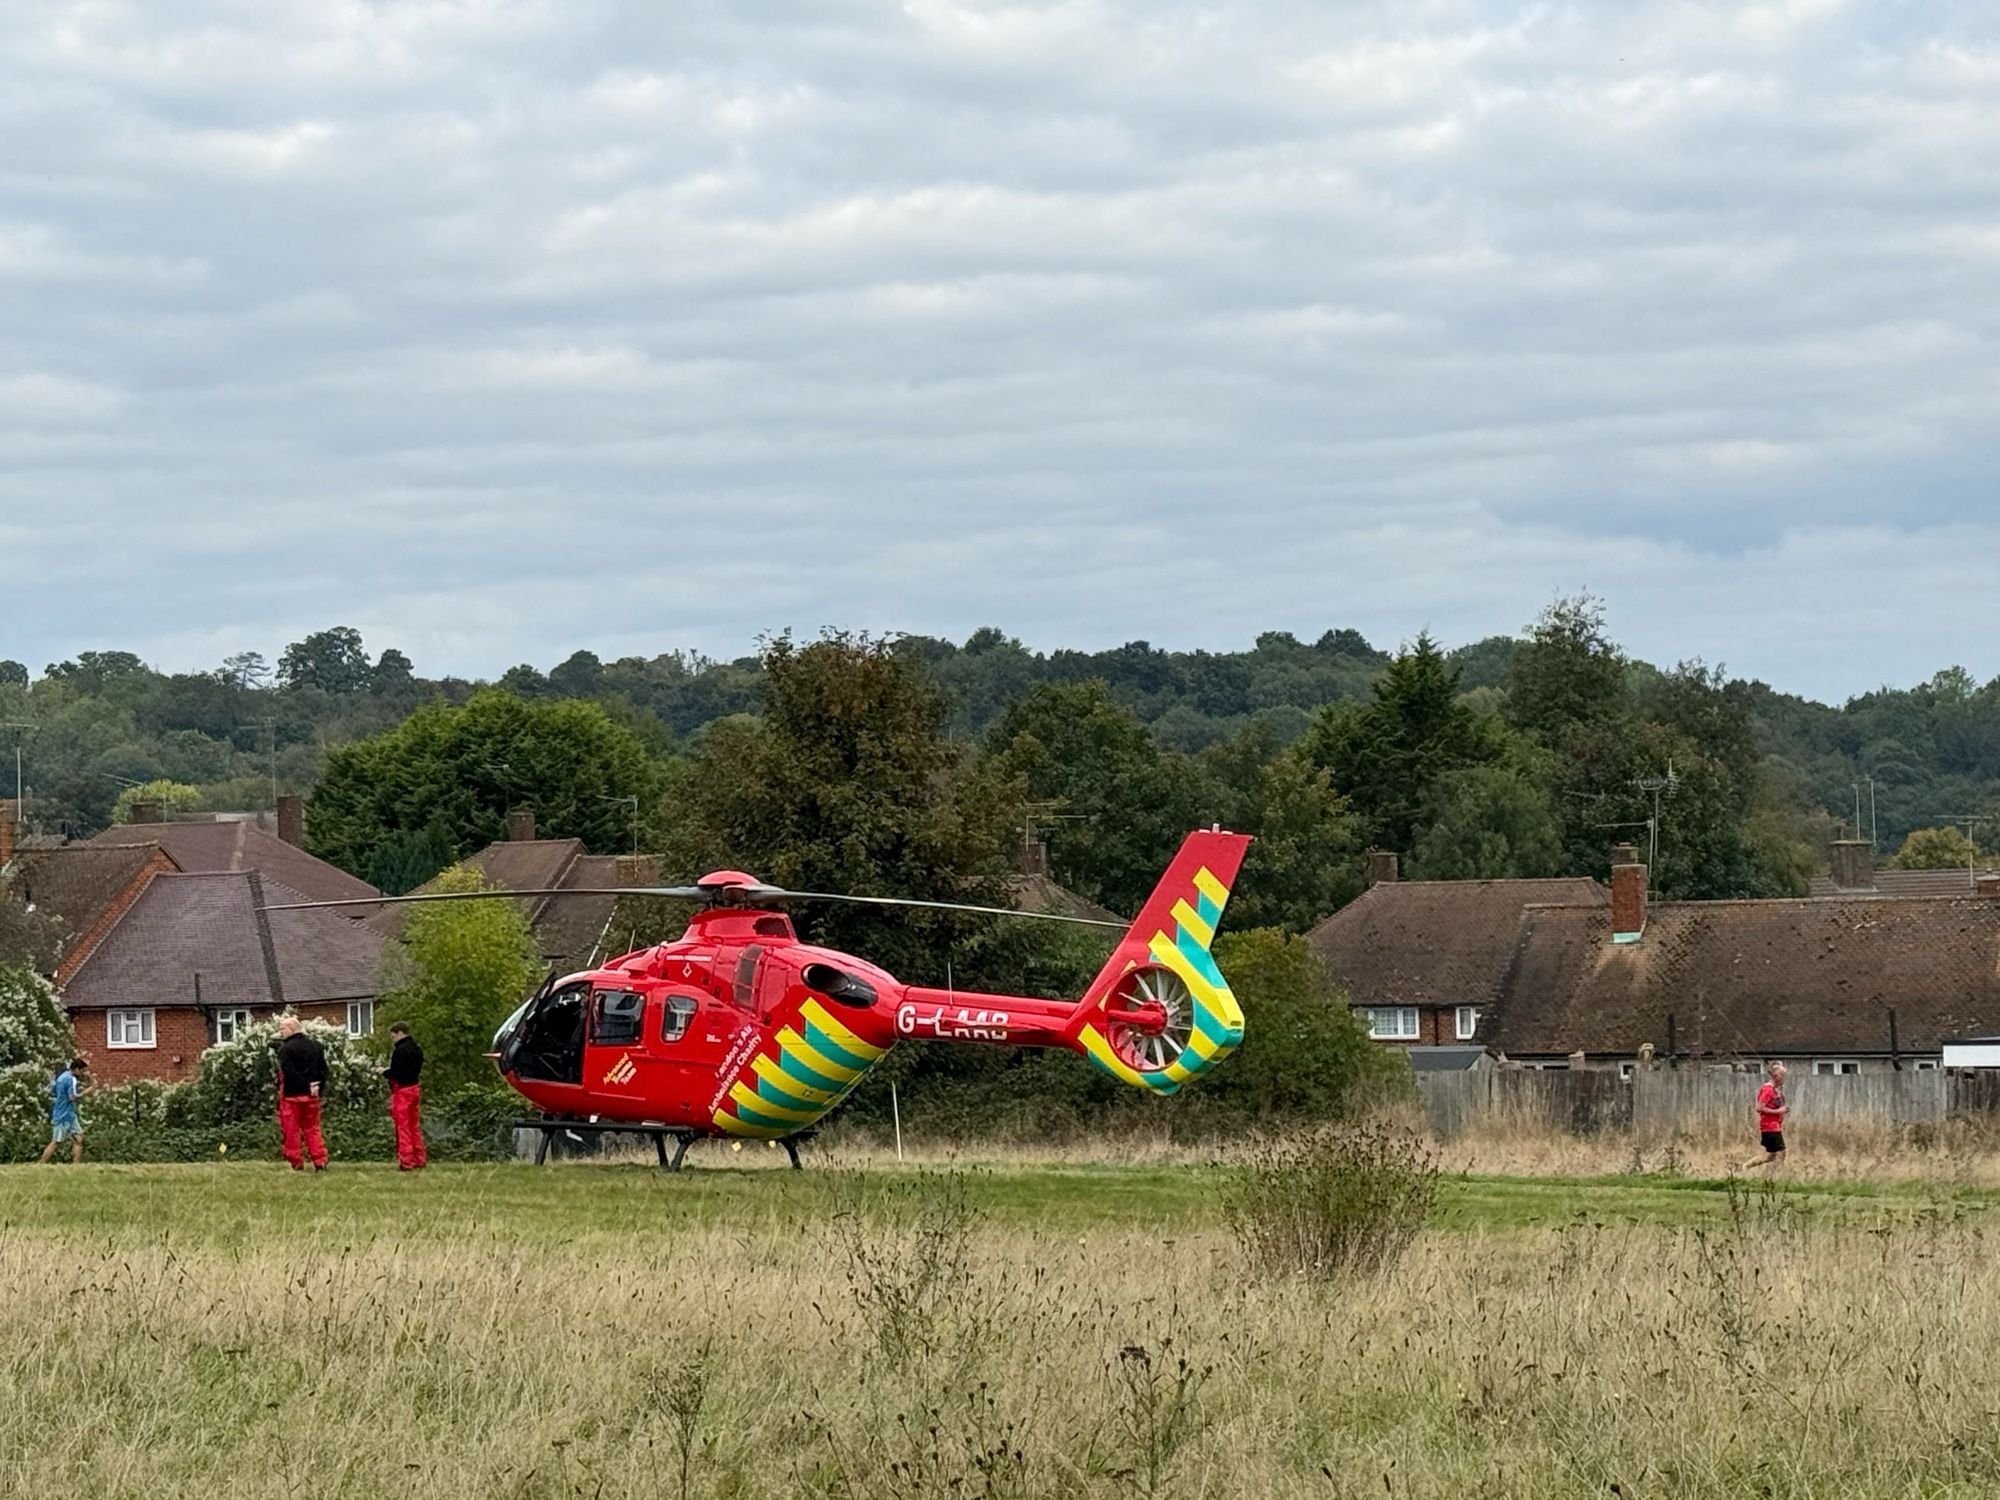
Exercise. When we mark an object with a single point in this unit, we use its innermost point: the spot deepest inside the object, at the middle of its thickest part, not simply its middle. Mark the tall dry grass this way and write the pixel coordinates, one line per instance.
(899, 1345)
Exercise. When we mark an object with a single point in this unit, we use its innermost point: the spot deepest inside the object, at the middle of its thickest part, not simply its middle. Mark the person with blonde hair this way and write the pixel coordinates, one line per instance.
(301, 1082)
(1771, 1110)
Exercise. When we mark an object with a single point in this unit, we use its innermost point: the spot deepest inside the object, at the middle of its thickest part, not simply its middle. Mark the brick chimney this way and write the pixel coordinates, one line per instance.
(1853, 865)
(8, 814)
(1624, 854)
(148, 812)
(1382, 867)
(1034, 856)
(1628, 900)
(521, 825)
(292, 819)
(1987, 885)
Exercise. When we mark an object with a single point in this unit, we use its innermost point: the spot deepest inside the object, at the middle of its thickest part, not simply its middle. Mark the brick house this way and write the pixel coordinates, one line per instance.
(1852, 872)
(154, 969)
(195, 957)
(1419, 958)
(1832, 985)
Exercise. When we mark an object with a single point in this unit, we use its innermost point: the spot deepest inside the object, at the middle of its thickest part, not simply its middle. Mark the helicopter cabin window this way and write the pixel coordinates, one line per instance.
(615, 1017)
(745, 991)
(678, 1017)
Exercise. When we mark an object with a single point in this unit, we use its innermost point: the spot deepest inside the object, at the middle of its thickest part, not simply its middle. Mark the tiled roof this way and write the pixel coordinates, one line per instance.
(1040, 894)
(210, 847)
(210, 925)
(1753, 978)
(1903, 883)
(569, 930)
(1433, 942)
(76, 883)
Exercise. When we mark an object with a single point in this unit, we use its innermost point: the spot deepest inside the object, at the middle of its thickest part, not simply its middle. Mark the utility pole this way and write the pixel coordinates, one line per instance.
(270, 726)
(22, 729)
(1968, 819)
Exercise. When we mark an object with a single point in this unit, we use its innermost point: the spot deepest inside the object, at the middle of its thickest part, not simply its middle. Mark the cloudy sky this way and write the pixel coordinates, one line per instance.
(498, 328)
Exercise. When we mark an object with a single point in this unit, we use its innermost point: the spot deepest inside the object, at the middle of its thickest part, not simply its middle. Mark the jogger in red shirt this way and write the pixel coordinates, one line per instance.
(1771, 1110)
(406, 1066)
(301, 1078)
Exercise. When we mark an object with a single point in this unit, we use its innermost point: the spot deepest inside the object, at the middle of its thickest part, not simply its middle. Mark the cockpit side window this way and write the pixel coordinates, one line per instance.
(678, 1017)
(615, 1017)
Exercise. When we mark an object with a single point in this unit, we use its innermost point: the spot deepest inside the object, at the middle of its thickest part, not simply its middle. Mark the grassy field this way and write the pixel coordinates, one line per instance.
(1054, 1329)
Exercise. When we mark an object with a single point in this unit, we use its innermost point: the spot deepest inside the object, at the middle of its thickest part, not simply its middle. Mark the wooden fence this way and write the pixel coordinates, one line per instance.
(1663, 1102)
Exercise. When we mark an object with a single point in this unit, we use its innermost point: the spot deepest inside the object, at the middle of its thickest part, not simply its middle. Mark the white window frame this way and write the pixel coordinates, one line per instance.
(360, 1017)
(1626, 1070)
(1392, 1023)
(138, 1036)
(1465, 1022)
(1836, 1067)
(236, 1017)
(1926, 1065)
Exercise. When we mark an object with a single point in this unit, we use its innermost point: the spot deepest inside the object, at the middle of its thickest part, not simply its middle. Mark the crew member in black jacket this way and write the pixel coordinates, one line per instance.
(406, 1066)
(301, 1082)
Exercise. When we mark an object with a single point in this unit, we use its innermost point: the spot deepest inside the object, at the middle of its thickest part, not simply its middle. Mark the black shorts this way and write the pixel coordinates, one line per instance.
(1774, 1140)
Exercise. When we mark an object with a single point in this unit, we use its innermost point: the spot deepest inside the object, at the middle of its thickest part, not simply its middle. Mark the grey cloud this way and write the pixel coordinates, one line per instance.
(501, 329)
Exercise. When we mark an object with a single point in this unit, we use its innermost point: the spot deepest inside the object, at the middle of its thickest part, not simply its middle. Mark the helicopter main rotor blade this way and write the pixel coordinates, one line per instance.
(732, 895)
(985, 911)
(671, 892)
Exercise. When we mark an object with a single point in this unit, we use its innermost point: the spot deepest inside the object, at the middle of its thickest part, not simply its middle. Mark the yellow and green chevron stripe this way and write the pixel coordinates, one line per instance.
(1217, 1019)
(793, 1081)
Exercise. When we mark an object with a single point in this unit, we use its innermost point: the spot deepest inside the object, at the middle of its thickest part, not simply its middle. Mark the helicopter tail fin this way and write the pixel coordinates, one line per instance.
(1164, 957)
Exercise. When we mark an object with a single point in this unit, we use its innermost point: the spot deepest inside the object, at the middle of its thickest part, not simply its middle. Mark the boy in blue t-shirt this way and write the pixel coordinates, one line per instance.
(64, 1125)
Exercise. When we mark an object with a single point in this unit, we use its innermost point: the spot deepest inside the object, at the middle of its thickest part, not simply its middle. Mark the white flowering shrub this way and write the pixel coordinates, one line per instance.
(24, 1110)
(34, 1027)
(239, 1079)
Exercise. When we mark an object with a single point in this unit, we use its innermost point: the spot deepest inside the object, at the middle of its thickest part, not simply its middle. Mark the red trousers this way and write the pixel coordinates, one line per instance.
(299, 1118)
(403, 1109)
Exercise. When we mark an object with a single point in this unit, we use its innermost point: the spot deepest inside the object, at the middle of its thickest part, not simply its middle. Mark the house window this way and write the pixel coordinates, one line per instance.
(1391, 1023)
(1627, 1069)
(1835, 1067)
(1926, 1065)
(128, 1028)
(230, 1024)
(1466, 1021)
(360, 1017)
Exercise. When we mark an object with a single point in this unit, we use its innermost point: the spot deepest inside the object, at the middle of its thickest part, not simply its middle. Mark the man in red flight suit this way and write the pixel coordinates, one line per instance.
(301, 1081)
(406, 1066)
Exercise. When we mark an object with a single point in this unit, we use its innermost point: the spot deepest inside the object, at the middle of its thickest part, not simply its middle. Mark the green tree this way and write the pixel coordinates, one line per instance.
(848, 783)
(1305, 861)
(171, 796)
(1304, 1055)
(462, 968)
(458, 770)
(1488, 823)
(1935, 849)
(1387, 756)
(1122, 805)
(333, 661)
(1568, 672)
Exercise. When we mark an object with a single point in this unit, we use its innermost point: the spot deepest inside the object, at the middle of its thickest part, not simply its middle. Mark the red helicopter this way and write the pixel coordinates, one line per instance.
(739, 1029)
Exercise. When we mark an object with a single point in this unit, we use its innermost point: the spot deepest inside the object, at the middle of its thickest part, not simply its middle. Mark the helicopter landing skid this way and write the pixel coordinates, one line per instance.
(683, 1138)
